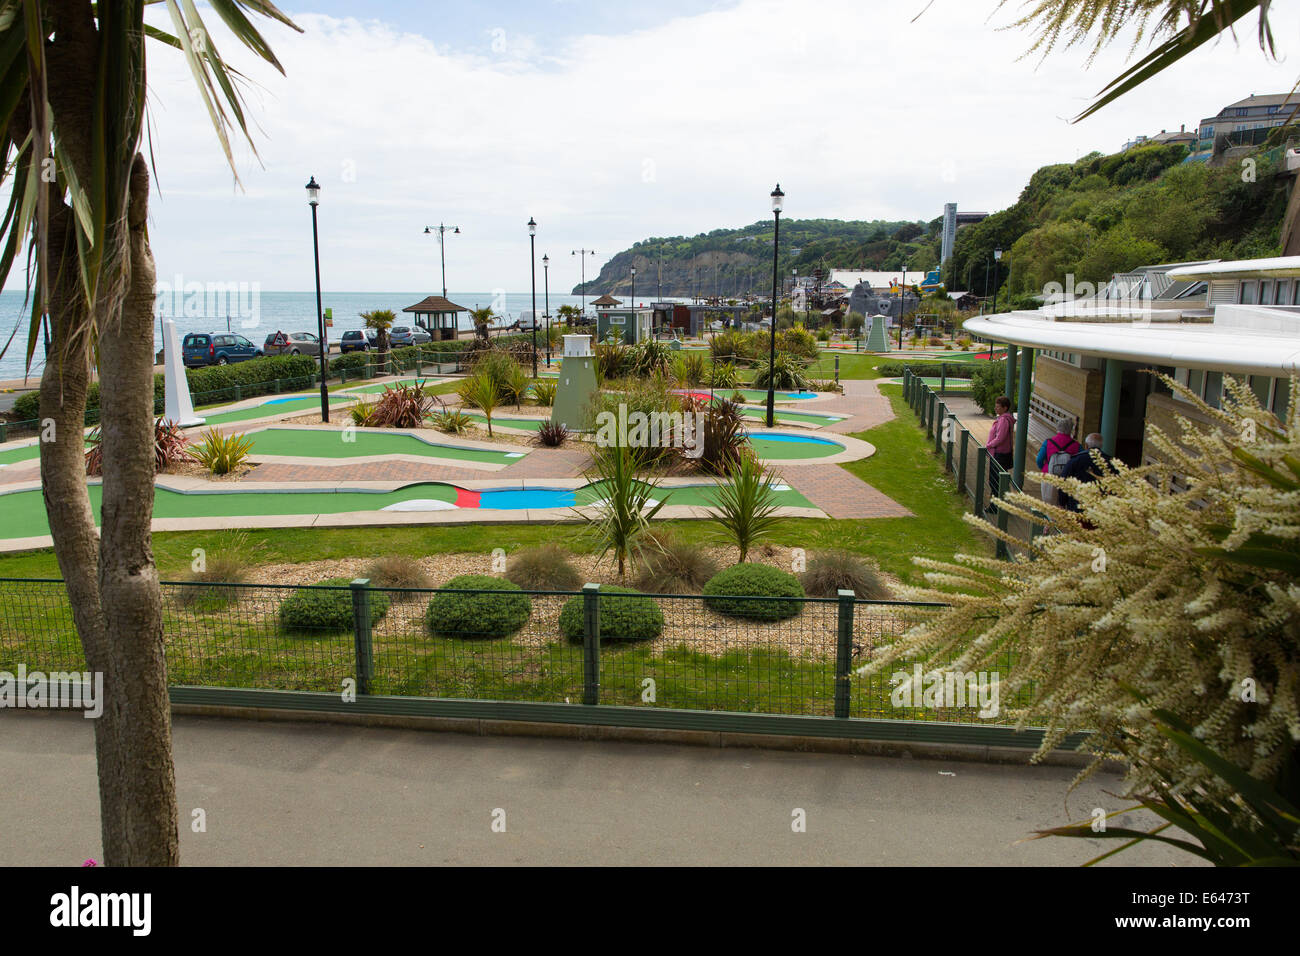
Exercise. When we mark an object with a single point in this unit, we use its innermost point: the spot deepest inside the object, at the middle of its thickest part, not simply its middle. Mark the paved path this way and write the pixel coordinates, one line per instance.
(307, 794)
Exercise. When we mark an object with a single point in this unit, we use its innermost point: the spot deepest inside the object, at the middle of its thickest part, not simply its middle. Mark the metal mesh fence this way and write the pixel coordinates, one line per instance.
(741, 655)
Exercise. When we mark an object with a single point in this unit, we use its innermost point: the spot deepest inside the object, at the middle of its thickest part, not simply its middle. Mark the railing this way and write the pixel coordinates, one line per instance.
(667, 660)
(978, 475)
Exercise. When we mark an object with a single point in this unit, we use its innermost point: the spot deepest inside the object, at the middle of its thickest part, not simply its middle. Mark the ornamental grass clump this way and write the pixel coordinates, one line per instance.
(1172, 590)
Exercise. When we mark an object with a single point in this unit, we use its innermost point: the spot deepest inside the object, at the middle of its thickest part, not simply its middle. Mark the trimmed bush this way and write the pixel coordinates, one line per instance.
(480, 615)
(547, 567)
(625, 615)
(726, 592)
(310, 609)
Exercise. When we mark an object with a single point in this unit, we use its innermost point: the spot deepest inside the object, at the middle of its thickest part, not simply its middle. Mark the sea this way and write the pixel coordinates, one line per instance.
(256, 314)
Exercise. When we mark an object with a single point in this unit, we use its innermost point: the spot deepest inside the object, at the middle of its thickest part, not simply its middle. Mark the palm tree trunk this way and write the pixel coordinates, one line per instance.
(139, 713)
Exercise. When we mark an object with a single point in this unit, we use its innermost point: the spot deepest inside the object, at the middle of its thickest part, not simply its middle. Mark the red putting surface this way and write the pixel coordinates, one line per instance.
(466, 498)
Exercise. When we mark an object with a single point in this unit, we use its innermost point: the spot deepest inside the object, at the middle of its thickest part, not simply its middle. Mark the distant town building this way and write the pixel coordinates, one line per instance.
(1238, 121)
(1184, 136)
(952, 221)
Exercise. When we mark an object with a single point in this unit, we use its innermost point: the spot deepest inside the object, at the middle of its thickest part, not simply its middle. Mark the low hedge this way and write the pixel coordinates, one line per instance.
(253, 377)
(726, 591)
(478, 615)
(311, 609)
(928, 369)
(632, 618)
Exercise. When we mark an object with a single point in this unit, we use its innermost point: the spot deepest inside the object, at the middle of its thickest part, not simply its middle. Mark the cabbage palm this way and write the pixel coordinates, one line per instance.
(72, 98)
(381, 320)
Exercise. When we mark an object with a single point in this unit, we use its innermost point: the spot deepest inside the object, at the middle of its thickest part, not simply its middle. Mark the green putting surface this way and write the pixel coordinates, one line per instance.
(781, 415)
(22, 513)
(529, 424)
(322, 443)
(793, 448)
(380, 386)
(283, 406)
(13, 455)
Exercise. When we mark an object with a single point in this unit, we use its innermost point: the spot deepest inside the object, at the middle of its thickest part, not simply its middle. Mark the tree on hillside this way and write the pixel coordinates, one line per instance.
(73, 78)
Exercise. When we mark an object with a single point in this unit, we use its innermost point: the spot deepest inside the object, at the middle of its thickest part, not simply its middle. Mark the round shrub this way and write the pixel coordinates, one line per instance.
(474, 615)
(726, 590)
(312, 609)
(631, 618)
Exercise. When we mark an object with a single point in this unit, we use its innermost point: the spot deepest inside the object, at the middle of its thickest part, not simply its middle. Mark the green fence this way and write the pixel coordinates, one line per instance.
(978, 476)
(404, 651)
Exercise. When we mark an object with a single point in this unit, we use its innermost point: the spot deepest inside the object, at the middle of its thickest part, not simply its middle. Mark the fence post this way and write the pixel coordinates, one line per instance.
(961, 461)
(940, 422)
(591, 643)
(1004, 485)
(4, 433)
(952, 441)
(981, 479)
(843, 652)
(277, 386)
(239, 392)
(907, 385)
(943, 379)
(837, 370)
(361, 633)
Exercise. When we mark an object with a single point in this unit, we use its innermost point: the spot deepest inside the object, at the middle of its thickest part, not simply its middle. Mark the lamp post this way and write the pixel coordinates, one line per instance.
(997, 259)
(313, 199)
(902, 304)
(634, 294)
(778, 198)
(441, 230)
(584, 253)
(532, 264)
(546, 303)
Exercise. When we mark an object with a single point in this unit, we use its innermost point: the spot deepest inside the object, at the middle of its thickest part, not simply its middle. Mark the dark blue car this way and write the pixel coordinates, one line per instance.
(216, 348)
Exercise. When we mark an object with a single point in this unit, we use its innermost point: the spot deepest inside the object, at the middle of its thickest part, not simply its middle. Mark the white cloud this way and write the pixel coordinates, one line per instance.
(676, 129)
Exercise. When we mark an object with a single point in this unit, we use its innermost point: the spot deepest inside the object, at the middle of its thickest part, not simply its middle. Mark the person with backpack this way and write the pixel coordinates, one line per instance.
(1084, 467)
(1054, 457)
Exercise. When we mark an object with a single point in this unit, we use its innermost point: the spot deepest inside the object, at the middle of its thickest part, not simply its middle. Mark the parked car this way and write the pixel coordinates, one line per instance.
(292, 343)
(403, 335)
(358, 340)
(216, 348)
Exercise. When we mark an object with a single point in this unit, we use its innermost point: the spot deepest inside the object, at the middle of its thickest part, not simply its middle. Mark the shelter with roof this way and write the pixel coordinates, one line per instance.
(1088, 358)
(438, 315)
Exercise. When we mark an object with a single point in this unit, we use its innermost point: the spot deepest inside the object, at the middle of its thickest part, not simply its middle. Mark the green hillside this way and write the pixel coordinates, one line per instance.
(1108, 214)
(731, 262)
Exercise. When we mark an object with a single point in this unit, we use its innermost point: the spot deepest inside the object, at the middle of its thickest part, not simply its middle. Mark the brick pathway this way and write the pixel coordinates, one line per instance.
(841, 494)
(368, 471)
(861, 401)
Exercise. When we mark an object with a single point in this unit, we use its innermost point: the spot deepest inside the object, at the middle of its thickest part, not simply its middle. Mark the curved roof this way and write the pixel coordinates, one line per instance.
(1280, 267)
(1248, 347)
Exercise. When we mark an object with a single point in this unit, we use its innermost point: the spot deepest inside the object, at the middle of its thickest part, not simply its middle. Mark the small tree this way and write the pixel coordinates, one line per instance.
(624, 514)
(747, 505)
(482, 318)
(569, 313)
(381, 320)
(481, 391)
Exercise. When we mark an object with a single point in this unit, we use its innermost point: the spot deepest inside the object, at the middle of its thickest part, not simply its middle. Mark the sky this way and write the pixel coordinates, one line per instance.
(614, 122)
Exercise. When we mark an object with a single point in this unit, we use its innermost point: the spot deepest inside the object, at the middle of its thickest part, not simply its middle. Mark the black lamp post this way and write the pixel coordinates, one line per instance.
(778, 198)
(584, 253)
(546, 303)
(902, 304)
(532, 262)
(997, 259)
(442, 230)
(313, 199)
(634, 295)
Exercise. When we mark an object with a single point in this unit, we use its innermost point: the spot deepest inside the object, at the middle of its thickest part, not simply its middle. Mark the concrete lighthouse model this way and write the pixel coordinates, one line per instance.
(577, 383)
(178, 408)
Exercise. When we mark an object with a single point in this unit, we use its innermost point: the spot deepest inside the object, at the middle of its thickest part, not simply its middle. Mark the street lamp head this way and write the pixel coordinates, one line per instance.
(427, 230)
(546, 261)
(532, 226)
(778, 198)
(313, 192)
(997, 255)
(456, 231)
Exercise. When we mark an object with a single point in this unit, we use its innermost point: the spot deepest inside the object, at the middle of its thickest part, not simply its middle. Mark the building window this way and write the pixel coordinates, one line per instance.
(1195, 381)
(1283, 292)
(1249, 292)
(1266, 292)
(1262, 386)
(1281, 394)
(1213, 388)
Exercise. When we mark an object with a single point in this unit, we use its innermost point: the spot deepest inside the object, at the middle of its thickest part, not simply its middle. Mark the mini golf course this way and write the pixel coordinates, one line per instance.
(22, 513)
(777, 446)
(277, 406)
(380, 386)
(356, 443)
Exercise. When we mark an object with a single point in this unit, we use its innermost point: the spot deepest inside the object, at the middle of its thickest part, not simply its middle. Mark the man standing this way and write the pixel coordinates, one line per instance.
(999, 443)
(1085, 468)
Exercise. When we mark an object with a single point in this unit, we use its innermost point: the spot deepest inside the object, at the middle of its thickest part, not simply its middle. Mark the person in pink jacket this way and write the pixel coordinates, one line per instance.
(999, 443)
